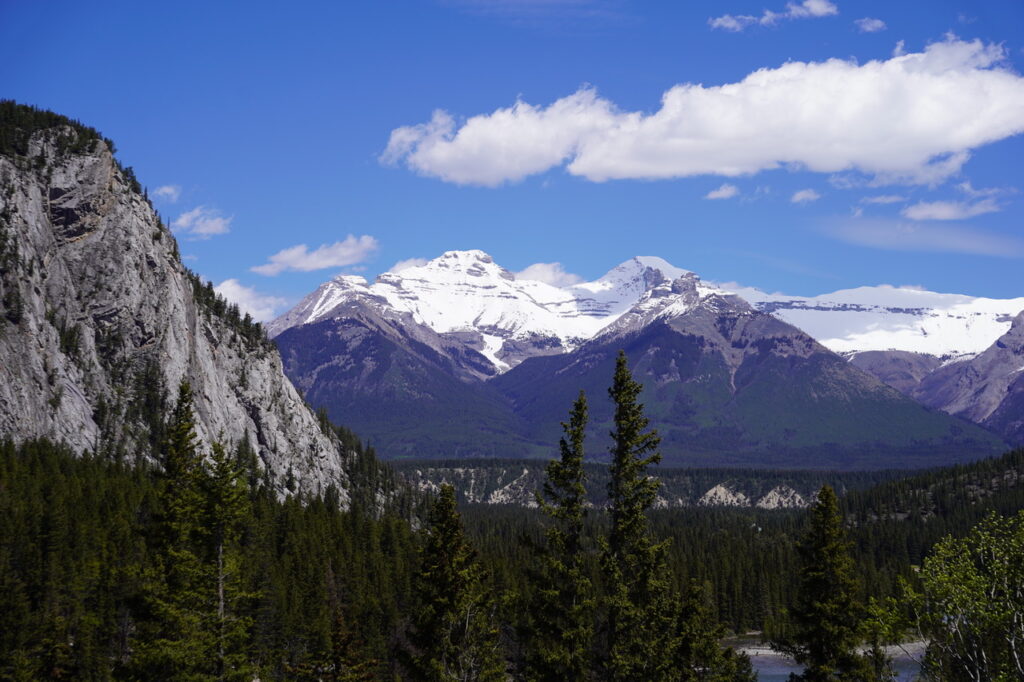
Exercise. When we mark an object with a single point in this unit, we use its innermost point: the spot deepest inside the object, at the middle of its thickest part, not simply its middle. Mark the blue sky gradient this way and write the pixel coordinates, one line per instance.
(273, 118)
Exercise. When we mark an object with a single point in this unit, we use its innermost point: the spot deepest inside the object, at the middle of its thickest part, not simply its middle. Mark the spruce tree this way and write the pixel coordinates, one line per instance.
(454, 630)
(227, 508)
(640, 605)
(174, 640)
(700, 657)
(827, 617)
(561, 607)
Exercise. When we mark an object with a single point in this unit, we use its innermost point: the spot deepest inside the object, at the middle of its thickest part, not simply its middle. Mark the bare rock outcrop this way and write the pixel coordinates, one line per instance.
(101, 321)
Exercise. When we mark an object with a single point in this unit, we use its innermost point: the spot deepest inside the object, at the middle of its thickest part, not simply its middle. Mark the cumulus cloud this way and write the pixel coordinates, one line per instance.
(869, 25)
(804, 196)
(912, 118)
(949, 210)
(170, 193)
(261, 306)
(808, 9)
(348, 252)
(339, 254)
(884, 199)
(408, 263)
(726, 191)
(896, 235)
(202, 223)
(549, 273)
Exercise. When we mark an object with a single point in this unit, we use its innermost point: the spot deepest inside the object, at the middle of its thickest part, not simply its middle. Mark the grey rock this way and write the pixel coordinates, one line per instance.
(987, 389)
(903, 370)
(103, 295)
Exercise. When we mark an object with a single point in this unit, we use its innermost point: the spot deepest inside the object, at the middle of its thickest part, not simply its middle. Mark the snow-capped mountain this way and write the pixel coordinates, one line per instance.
(458, 357)
(987, 389)
(506, 319)
(884, 318)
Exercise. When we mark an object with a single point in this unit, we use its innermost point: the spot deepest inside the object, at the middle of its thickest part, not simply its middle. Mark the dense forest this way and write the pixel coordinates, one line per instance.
(190, 567)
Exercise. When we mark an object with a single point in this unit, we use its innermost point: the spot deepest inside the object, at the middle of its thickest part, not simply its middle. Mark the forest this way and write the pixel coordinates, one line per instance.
(191, 567)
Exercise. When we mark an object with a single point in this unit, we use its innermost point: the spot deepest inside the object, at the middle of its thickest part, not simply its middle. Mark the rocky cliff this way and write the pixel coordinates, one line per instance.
(101, 321)
(987, 389)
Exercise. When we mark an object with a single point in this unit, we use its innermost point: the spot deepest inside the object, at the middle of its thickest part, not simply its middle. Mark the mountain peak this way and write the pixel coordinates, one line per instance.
(473, 262)
(643, 267)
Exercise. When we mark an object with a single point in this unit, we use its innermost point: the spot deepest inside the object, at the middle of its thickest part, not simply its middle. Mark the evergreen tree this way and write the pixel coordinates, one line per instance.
(227, 509)
(700, 657)
(454, 631)
(827, 618)
(174, 641)
(640, 604)
(561, 608)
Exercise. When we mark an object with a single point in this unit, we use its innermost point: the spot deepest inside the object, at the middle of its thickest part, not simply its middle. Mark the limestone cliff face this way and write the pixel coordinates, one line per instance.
(99, 320)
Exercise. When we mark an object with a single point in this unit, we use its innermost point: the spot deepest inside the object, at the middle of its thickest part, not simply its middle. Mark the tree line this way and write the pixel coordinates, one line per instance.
(192, 567)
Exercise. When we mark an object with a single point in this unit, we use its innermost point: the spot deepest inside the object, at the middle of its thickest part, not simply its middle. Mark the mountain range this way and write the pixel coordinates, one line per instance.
(459, 357)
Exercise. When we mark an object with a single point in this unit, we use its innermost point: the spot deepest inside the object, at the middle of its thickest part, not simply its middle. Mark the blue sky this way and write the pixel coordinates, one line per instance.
(849, 143)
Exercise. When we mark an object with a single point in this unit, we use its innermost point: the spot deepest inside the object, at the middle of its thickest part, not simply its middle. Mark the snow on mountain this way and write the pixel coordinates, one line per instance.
(466, 292)
(885, 317)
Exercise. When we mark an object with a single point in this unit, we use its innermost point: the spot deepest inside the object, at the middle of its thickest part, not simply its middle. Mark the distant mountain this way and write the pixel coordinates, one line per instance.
(887, 318)
(100, 321)
(987, 389)
(460, 357)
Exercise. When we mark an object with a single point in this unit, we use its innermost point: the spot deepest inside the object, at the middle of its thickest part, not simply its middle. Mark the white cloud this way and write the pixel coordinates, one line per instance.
(884, 199)
(339, 254)
(968, 189)
(912, 118)
(726, 191)
(804, 196)
(807, 9)
(949, 210)
(408, 263)
(550, 273)
(202, 223)
(169, 192)
(869, 25)
(895, 235)
(261, 306)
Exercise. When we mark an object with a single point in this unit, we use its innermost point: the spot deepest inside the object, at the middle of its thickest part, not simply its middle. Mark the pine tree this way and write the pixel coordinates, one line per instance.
(454, 631)
(827, 618)
(561, 608)
(639, 600)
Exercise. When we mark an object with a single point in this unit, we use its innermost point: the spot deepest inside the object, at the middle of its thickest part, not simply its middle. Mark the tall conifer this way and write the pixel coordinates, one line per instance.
(174, 643)
(455, 632)
(826, 619)
(640, 604)
(561, 607)
(227, 508)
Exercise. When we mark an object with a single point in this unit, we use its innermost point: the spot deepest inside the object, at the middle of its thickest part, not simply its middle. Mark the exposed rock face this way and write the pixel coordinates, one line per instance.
(99, 317)
(903, 370)
(722, 496)
(987, 389)
(782, 497)
(515, 483)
